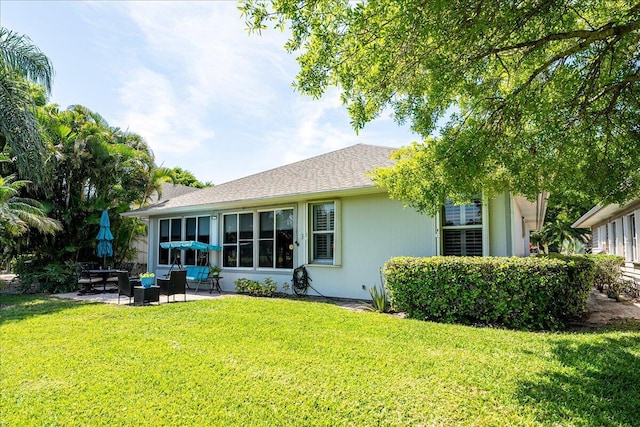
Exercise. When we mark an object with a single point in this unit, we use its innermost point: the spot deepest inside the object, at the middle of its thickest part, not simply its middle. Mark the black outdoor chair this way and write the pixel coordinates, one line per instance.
(175, 284)
(125, 285)
(85, 279)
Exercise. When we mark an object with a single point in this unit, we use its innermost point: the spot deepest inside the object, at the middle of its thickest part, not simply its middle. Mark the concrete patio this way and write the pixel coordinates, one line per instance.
(111, 297)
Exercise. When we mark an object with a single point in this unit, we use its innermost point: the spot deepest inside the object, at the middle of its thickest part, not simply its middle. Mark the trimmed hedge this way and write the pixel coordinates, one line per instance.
(607, 274)
(520, 293)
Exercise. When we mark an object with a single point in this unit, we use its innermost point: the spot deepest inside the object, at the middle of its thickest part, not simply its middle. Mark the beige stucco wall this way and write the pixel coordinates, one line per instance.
(372, 229)
(499, 227)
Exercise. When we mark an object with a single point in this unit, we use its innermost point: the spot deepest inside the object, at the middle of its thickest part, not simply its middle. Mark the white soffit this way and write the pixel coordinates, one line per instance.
(533, 212)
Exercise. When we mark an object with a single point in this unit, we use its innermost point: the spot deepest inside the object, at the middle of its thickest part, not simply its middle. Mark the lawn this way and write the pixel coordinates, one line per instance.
(275, 362)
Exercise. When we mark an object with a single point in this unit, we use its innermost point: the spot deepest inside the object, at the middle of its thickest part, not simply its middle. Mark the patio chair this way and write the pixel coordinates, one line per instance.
(85, 279)
(175, 284)
(125, 285)
(113, 280)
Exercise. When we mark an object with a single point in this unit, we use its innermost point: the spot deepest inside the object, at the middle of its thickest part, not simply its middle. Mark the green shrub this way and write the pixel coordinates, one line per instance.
(53, 277)
(580, 269)
(519, 293)
(255, 288)
(607, 274)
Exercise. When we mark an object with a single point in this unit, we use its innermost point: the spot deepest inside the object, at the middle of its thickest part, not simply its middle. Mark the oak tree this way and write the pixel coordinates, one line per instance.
(513, 95)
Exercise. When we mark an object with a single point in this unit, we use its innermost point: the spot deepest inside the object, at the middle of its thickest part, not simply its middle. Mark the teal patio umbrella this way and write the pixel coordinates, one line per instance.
(104, 238)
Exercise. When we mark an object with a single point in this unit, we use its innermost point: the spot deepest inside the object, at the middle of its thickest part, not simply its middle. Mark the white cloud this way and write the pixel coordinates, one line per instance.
(198, 75)
(313, 127)
(187, 77)
(205, 45)
(157, 113)
(206, 72)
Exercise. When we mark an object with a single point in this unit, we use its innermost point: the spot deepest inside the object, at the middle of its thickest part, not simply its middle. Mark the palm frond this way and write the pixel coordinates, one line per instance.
(20, 55)
(19, 125)
(18, 214)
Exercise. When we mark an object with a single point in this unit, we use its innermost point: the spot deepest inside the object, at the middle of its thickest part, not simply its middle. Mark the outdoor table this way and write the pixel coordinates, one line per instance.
(215, 283)
(105, 273)
(142, 294)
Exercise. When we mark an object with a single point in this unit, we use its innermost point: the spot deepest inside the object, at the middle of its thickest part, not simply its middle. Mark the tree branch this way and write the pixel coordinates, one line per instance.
(588, 37)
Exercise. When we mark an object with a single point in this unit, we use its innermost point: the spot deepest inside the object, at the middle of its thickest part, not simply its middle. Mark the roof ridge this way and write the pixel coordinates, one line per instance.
(338, 170)
(308, 159)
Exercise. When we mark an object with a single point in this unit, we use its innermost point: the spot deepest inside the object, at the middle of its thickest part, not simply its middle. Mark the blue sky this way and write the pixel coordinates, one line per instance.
(189, 79)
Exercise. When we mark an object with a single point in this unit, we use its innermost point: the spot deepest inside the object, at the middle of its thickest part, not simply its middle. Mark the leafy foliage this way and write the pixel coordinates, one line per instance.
(534, 95)
(92, 167)
(185, 177)
(19, 214)
(22, 63)
(607, 274)
(54, 276)
(557, 234)
(520, 293)
(267, 288)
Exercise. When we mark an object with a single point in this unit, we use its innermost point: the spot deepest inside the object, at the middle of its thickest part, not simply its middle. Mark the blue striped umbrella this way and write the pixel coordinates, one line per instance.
(104, 237)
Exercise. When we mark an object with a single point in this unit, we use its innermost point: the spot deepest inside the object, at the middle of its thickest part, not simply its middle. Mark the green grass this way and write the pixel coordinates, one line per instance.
(273, 362)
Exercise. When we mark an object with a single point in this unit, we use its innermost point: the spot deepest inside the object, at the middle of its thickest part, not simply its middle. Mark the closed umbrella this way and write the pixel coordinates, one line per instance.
(104, 238)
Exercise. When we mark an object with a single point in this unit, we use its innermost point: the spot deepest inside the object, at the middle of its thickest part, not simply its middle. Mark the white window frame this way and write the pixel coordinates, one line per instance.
(183, 233)
(197, 218)
(632, 233)
(237, 243)
(595, 240)
(482, 226)
(182, 225)
(258, 239)
(337, 235)
(613, 238)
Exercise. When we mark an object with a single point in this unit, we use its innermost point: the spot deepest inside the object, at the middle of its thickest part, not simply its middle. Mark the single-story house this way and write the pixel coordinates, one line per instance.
(615, 230)
(326, 214)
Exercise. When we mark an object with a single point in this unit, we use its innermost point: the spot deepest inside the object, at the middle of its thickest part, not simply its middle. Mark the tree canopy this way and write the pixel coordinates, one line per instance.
(513, 95)
(22, 63)
(185, 177)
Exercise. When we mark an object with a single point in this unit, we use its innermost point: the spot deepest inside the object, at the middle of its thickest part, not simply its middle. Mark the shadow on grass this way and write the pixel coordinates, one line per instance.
(598, 382)
(16, 307)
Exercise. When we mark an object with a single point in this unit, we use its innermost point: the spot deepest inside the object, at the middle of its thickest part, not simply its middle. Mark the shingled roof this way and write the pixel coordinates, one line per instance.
(337, 171)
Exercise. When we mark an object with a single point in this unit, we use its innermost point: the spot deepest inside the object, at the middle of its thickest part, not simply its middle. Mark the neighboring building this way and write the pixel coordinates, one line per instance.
(325, 213)
(615, 229)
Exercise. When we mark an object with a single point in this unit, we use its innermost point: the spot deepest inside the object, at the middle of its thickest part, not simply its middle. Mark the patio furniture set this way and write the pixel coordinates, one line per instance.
(175, 283)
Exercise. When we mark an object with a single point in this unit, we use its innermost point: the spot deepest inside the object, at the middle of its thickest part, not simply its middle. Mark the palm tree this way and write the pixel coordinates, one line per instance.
(19, 214)
(157, 176)
(22, 63)
(559, 236)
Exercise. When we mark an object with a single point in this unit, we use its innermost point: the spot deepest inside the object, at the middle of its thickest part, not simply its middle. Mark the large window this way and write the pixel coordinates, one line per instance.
(237, 244)
(275, 248)
(170, 231)
(462, 229)
(323, 234)
(272, 242)
(198, 229)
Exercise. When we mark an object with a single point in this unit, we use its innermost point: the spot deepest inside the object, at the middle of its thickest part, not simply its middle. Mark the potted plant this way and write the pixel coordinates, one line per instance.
(147, 279)
(215, 270)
